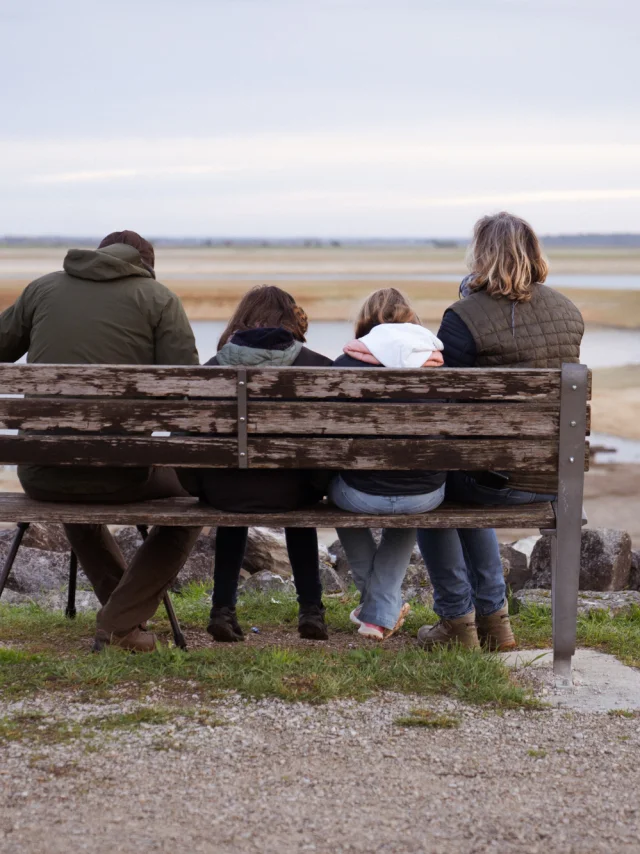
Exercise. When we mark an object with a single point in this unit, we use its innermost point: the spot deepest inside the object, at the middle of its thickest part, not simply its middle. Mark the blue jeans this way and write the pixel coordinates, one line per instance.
(378, 571)
(464, 564)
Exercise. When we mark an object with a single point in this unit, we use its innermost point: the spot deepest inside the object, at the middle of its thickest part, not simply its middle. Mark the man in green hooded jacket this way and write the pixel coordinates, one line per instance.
(106, 307)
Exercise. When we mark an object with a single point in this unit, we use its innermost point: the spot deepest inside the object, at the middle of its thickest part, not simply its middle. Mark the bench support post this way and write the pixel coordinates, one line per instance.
(178, 636)
(21, 530)
(70, 610)
(565, 546)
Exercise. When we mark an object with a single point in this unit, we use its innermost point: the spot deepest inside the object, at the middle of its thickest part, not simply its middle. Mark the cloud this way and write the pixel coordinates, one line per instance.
(96, 175)
(378, 181)
(74, 161)
(408, 203)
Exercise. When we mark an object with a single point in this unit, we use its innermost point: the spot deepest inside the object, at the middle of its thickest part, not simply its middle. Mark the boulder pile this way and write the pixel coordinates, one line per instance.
(609, 565)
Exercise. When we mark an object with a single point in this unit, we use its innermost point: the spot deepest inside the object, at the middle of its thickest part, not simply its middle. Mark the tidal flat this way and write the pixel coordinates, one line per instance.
(331, 281)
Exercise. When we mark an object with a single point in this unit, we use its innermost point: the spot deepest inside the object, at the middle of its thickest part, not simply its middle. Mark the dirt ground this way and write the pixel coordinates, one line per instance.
(275, 778)
(615, 408)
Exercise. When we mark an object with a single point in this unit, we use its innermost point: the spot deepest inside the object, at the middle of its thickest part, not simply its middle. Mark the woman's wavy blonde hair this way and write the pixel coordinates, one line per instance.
(505, 257)
(388, 305)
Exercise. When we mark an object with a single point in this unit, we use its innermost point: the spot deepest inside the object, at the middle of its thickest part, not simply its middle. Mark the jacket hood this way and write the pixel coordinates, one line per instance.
(269, 347)
(102, 265)
(398, 345)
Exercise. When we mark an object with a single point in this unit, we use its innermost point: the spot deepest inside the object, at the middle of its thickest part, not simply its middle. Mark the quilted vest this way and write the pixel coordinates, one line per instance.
(541, 333)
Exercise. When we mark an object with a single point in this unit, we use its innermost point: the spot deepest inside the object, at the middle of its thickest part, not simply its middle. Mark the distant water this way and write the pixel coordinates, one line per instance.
(601, 348)
(622, 450)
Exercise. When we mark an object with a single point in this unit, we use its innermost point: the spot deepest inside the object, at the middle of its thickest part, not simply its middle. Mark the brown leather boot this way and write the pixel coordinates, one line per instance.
(494, 631)
(461, 631)
(133, 641)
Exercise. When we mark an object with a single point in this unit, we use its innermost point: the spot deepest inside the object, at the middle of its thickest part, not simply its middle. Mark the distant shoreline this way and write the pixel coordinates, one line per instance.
(330, 282)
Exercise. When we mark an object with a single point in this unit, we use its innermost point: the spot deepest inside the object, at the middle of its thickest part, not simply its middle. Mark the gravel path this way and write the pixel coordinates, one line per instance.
(341, 777)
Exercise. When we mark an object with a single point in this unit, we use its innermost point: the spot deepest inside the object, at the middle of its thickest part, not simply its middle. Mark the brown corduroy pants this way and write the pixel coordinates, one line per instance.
(129, 595)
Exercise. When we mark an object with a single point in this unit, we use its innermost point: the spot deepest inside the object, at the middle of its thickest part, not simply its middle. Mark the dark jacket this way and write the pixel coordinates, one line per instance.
(258, 490)
(105, 307)
(485, 331)
(481, 331)
(388, 482)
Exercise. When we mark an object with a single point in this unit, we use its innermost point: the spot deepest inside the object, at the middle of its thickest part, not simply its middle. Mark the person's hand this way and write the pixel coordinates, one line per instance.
(435, 360)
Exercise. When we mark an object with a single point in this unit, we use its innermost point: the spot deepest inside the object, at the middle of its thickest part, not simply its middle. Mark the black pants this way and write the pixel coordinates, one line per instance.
(302, 545)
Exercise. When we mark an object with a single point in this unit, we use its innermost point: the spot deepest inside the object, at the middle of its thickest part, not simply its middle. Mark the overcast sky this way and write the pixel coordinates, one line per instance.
(318, 117)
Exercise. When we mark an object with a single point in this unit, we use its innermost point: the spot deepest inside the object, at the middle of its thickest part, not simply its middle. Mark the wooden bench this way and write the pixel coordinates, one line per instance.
(312, 418)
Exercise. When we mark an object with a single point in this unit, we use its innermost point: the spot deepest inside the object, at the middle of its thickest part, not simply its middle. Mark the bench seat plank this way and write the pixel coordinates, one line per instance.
(16, 507)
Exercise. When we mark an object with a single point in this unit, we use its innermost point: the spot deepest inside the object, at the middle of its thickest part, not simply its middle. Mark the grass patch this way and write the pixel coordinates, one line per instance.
(536, 754)
(622, 713)
(311, 674)
(47, 651)
(151, 716)
(38, 729)
(35, 728)
(428, 718)
(619, 635)
(54, 656)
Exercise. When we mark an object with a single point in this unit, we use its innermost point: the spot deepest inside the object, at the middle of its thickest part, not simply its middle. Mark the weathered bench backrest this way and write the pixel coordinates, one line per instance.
(328, 418)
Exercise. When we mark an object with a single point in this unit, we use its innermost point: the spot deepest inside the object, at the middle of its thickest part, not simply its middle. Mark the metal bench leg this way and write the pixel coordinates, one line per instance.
(70, 611)
(178, 637)
(565, 547)
(13, 551)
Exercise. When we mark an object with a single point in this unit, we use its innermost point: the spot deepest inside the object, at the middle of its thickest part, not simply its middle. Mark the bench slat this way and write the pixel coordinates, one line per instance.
(510, 454)
(278, 383)
(368, 383)
(283, 417)
(15, 507)
(404, 419)
(117, 380)
(118, 415)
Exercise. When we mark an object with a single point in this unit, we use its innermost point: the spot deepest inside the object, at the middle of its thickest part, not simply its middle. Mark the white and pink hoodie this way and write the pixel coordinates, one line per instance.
(398, 345)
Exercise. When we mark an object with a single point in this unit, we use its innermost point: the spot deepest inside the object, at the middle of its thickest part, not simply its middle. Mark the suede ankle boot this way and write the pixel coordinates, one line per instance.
(494, 631)
(134, 641)
(461, 630)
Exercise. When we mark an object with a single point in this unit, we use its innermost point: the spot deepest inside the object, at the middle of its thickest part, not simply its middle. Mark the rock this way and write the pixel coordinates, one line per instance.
(268, 582)
(36, 571)
(197, 569)
(340, 562)
(417, 584)
(331, 581)
(50, 538)
(613, 602)
(634, 575)
(86, 600)
(526, 546)
(266, 551)
(515, 566)
(605, 560)
(129, 540)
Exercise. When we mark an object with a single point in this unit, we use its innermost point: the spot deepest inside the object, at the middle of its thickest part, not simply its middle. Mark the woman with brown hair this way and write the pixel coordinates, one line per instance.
(388, 333)
(267, 330)
(506, 317)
